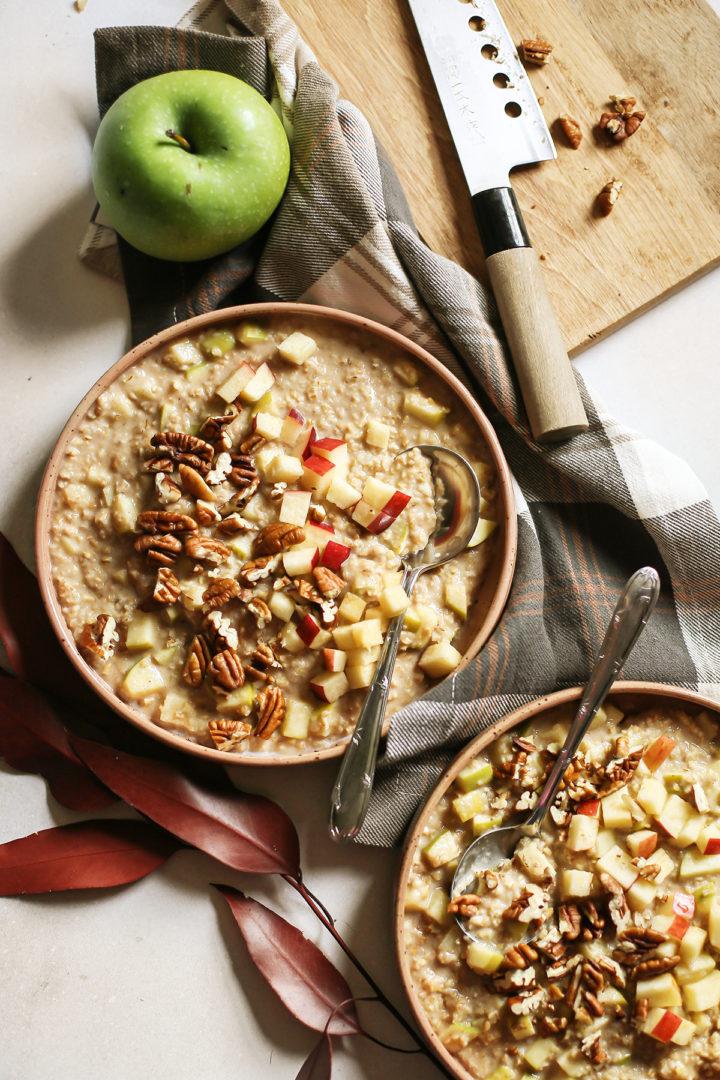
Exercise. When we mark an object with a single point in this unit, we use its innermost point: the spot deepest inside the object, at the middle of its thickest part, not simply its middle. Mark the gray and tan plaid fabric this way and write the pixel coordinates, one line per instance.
(590, 511)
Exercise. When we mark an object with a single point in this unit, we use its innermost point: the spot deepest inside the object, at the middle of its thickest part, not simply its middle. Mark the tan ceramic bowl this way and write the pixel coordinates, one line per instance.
(628, 696)
(482, 618)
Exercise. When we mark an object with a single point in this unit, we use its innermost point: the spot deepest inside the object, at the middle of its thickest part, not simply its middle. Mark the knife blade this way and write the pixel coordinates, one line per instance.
(496, 124)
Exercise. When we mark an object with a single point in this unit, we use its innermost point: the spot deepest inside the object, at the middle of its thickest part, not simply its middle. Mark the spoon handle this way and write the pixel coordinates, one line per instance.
(351, 793)
(632, 611)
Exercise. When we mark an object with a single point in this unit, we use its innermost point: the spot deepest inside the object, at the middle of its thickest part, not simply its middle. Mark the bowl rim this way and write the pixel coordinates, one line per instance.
(619, 690)
(503, 559)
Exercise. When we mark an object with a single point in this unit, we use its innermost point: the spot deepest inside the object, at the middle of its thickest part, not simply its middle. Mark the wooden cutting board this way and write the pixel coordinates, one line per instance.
(665, 227)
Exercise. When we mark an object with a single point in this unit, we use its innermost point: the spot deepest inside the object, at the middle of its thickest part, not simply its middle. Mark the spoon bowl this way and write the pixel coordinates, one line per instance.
(456, 501)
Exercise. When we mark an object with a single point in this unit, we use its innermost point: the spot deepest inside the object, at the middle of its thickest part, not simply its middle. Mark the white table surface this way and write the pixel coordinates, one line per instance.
(150, 980)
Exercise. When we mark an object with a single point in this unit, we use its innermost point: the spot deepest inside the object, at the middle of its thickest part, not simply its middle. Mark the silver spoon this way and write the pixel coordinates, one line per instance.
(633, 609)
(456, 495)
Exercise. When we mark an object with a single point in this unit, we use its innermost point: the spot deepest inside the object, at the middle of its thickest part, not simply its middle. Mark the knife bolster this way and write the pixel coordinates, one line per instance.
(499, 221)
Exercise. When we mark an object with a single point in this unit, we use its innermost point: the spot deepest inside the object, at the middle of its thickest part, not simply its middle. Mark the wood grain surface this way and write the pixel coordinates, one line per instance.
(600, 271)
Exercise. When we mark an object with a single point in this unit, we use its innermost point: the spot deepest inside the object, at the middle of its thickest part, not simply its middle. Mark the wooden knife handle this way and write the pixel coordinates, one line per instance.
(547, 381)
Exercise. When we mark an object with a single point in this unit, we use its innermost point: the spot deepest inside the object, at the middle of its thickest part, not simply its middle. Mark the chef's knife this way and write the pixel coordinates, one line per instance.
(496, 123)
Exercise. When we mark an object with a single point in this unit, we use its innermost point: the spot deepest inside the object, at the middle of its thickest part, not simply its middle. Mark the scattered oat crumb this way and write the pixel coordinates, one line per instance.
(534, 51)
(80, 5)
(541, 101)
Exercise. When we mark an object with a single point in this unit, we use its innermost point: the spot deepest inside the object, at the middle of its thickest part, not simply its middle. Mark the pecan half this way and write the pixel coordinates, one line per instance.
(167, 587)
(278, 537)
(225, 671)
(553, 1025)
(193, 483)
(252, 443)
(307, 591)
(233, 524)
(197, 661)
(220, 592)
(260, 612)
(161, 550)
(570, 126)
(569, 921)
(656, 965)
(617, 904)
(177, 444)
(206, 513)
(243, 473)
(165, 521)
(264, 656)
(207, 549)
(329, 583)
(213, 430)
(534, 51)
(227, 734)
(271, 710)
(256, 569)
(221, 469)
(220, 632)
(100, 637)
(159, 463)
(467, 905)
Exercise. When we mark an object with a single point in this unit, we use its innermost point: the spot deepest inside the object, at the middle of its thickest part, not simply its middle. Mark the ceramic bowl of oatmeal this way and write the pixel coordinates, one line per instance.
(595, 950)
(220, 527)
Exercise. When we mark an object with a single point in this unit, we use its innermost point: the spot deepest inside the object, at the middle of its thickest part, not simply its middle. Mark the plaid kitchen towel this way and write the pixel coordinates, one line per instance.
(591, 511)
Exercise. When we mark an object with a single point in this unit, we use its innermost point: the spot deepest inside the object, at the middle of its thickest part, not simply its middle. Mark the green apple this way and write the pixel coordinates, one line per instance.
(188, 164)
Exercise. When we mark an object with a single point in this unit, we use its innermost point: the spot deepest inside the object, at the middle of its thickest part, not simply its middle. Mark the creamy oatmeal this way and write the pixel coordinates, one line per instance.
(227, 528)
(596, 947)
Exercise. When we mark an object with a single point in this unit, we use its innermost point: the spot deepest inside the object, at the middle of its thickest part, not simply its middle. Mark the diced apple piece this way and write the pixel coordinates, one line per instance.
(679, 904)
(456, 597)
(589, 808)
(470, 803)
(575, 883)
(714, 924)
(582, 833)
(361, 657)
(267, 425)
(377, 434)
(658, 751)
(296, 721)
(335, 450)
(294, 507)
(605, 841)
(439, 659)
(618, 865)
(615, 811)
(377, 492)
(704, 897)
(351, 607)
(317, 473)
(183, 355)
(238, 381)
(334, 659)
(540, 1053)
(334, 554)
(248, 333)
(329, 685)
(674, 815)
(142, 680)
(661, 858)
(674, 926)
(342, 494)
(708, 840)
(297, 348)
(283, 468)
(662, 1024)
(421, 617)
(407, 372)
(483, 957)
(360, 675)
(641, 844)
(217, 343)
(660, 991)
(443, 848)
(424, 408)
(693, 943)
(690, 831)
(483, 530)
(641, 895)
(299, 561)
(437, 907)
(458, 1035)
(693, 864)
(292, 427)
(142, 632)
(696, 968)
(652, 796)
(282, 605)
(481, 823)
(343, 637)
(394, 600)
(310, 631)
(291, 640)
(124, 513)
(259, 385)
(703, 995)
(365, 634)
(474, 775)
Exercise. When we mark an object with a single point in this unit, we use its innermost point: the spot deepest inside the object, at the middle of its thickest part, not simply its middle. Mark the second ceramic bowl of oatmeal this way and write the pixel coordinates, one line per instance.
(219, 530)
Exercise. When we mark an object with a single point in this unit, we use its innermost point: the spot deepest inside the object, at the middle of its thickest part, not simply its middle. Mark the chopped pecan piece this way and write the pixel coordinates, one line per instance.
(642, 1009)
(317, 512)
(624, 121)
(206, 549)
(563, 967)
(206, 513)
(491, 880)
(593, 976)
(213, 430)
(232, 524)
(227, 734)
(617, 904)
(165, 521)
(161, 550)
(193, 483)
(569, 921)
(553, 1025)
(167, 587)
(523, 745)
(570, 126)
(642, 936)
(329, 583)
(594, 1006)
(467, 905)
(307, 591)
(197, 661)
(166, 490)
(159, 463)
(612, 970)
(524, 1004)
(243, 473)
(256, 569)
(608, 196)
(264, 656)
(592, 1049)
(573, 989)
(278, 490)
(278, 537)
(221, 469)
(225, 671)
(220, 592)
(178, 444)
(252, 443)
(100, 637)
(259, 611)
(271, 710)
(220, 632)
(534, 51)
(591, 915)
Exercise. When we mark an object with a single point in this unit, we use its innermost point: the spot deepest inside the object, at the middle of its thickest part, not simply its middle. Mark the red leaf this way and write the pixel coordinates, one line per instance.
(303, 978)
(34, 652)
(246, 832)
(86, 855)
(32, 739)
(318, 1064)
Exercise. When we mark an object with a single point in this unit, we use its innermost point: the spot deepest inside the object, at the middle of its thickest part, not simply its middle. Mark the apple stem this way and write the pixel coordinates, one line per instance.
(179, 139)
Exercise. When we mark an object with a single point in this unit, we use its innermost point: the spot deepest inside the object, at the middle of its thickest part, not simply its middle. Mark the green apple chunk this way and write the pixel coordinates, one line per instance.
(476, 774)
(189, 164)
